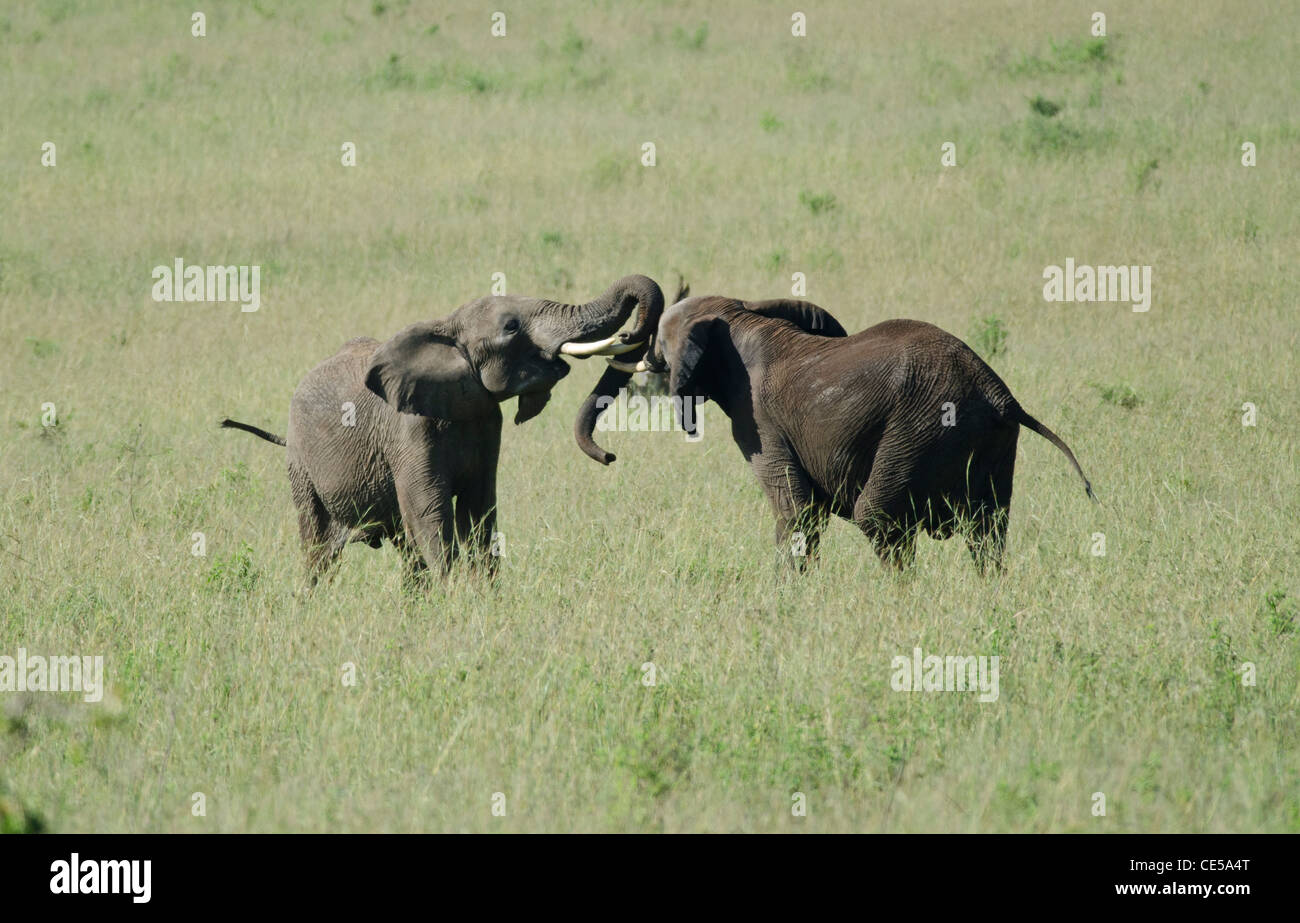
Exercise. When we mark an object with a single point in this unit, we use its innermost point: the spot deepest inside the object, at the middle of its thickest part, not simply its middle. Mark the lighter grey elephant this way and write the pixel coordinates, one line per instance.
(400, 440)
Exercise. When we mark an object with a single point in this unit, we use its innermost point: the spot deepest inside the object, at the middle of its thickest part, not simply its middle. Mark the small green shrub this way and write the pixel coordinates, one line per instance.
(989, 338)
(1121, 395)
(818, 203)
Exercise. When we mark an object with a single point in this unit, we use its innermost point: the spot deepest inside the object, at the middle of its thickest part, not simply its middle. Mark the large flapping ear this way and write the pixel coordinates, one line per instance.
(803, 314)
(685, 378)
(421, 370)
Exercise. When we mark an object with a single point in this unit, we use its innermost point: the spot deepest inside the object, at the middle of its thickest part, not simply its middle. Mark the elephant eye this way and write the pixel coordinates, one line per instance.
(512, 325)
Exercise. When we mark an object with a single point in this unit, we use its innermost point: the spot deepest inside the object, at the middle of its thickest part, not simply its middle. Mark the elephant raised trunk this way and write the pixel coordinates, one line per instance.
(589, 329)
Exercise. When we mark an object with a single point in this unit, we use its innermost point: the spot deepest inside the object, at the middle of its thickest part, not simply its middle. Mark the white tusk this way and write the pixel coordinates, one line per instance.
(587, 349)
(629, 368)
(610, 346)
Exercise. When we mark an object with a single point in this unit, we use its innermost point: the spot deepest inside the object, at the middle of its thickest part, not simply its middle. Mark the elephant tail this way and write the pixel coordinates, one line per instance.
(272, 437)
(1017, 413)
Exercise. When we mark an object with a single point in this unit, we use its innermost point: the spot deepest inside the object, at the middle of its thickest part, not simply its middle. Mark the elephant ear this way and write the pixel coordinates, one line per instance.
(803, 314)
(530, 405)
(685, 378)
(422, 371)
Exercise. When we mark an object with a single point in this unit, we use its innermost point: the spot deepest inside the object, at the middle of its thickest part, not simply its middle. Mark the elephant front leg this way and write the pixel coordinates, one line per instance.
(476, 534)
(798, 533)
(414, 569)
(799, 518)
(428, 524)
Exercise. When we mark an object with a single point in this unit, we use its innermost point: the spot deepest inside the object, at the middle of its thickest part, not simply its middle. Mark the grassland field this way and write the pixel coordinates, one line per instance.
(1121, 674)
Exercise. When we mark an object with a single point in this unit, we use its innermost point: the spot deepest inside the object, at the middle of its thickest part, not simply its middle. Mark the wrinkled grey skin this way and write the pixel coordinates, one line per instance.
(418, 464)
(853, 426)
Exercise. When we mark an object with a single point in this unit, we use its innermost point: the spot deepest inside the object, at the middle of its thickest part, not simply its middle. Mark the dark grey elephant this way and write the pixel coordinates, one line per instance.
(898, 428)
(383, 437)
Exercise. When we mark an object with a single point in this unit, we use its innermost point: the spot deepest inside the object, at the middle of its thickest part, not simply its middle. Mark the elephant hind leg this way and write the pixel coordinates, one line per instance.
(990, 510)
(887, 518)
(987, 538)
(322, 538)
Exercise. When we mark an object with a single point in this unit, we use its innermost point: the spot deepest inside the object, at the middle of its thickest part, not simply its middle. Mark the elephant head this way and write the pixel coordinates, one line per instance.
(684, 346)
(502, 346)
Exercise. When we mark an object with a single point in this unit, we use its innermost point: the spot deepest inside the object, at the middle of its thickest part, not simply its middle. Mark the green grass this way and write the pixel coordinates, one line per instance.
(1120, 674)
(989, 337)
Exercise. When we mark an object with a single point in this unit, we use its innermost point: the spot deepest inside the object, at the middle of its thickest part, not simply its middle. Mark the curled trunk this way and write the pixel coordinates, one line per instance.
(603, 316)
(610, 383)
(575, 330)
(613, 380)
